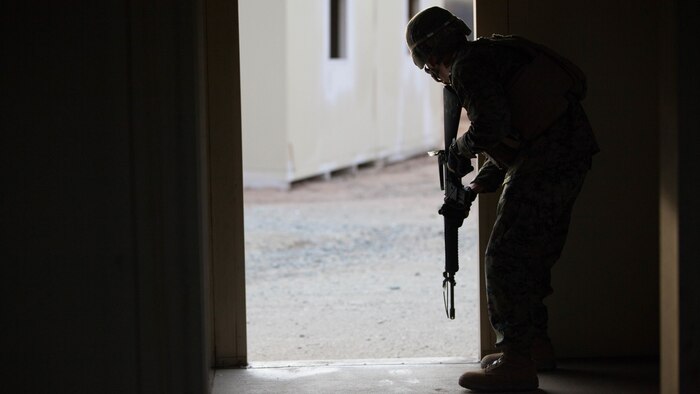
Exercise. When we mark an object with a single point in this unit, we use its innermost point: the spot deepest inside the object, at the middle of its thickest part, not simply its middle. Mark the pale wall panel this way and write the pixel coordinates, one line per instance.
(263, 85)
(305, 114)
(331, 120)
(409, 102)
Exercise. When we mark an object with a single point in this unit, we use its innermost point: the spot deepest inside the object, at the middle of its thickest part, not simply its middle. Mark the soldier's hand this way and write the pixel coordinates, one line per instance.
(470, 197)
(457, 163)
(476, 188)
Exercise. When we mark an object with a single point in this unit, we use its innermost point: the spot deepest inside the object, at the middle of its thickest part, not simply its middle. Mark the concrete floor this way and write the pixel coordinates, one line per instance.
(612, 376)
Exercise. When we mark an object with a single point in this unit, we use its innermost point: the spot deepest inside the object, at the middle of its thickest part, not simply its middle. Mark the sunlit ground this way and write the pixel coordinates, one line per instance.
(352, 268)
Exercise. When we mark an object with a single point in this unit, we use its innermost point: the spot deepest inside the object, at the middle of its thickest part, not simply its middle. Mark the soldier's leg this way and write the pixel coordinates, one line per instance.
(565, 184)
(507, 276)
(528, 210)
(532, 221)
(507, 289)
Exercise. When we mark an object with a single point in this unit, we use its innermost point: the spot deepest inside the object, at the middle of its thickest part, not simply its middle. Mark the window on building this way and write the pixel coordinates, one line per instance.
(413, 8)
(338, 29)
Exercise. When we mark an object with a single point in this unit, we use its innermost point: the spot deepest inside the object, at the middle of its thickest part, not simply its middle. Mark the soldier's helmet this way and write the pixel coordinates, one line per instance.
(429, 27)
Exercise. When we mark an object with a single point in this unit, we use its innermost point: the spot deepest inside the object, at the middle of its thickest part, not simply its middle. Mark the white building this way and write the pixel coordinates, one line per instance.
(328, 85)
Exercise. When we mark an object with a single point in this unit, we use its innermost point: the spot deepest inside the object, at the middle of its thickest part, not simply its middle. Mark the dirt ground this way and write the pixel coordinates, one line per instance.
(351, 268)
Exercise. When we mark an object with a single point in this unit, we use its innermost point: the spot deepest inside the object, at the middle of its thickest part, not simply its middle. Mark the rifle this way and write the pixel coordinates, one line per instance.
(456, 202)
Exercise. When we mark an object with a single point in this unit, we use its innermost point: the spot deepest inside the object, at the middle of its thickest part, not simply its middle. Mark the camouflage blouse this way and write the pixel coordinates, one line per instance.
(479, 74)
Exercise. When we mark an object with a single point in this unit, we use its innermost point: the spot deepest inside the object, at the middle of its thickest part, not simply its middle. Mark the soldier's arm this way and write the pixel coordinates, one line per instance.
(489, 179)
(487, 106)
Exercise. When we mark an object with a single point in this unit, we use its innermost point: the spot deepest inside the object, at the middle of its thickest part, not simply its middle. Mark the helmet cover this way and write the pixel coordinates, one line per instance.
(425, 25)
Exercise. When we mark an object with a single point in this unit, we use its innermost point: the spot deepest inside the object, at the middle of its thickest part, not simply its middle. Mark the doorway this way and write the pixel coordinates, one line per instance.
(346, 261)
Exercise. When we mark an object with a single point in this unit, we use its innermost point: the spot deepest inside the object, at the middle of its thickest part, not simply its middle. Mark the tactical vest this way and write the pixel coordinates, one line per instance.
(537, 93)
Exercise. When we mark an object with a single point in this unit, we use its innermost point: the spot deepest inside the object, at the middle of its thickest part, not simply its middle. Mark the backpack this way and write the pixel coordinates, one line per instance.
(538, 91)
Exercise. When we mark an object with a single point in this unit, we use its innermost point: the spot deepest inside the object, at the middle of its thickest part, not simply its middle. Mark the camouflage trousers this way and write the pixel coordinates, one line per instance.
(528, 236)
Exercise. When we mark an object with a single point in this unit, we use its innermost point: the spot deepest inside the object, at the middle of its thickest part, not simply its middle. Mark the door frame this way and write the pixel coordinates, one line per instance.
(225, 183)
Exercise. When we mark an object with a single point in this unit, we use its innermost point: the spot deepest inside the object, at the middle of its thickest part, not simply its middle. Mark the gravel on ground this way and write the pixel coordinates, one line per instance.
(351, 268)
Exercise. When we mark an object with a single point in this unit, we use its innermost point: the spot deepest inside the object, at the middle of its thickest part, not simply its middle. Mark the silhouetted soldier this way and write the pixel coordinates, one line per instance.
(523, 103)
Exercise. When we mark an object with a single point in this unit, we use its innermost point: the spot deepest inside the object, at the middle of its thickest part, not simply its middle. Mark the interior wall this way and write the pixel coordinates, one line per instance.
(680, 221)
(605, 299)
(101, 252)
(68, 273)
(669, 280)
(688, 188)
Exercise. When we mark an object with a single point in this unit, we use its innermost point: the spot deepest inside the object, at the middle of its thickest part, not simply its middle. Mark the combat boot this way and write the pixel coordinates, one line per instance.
(542, 353)
(511, 372)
